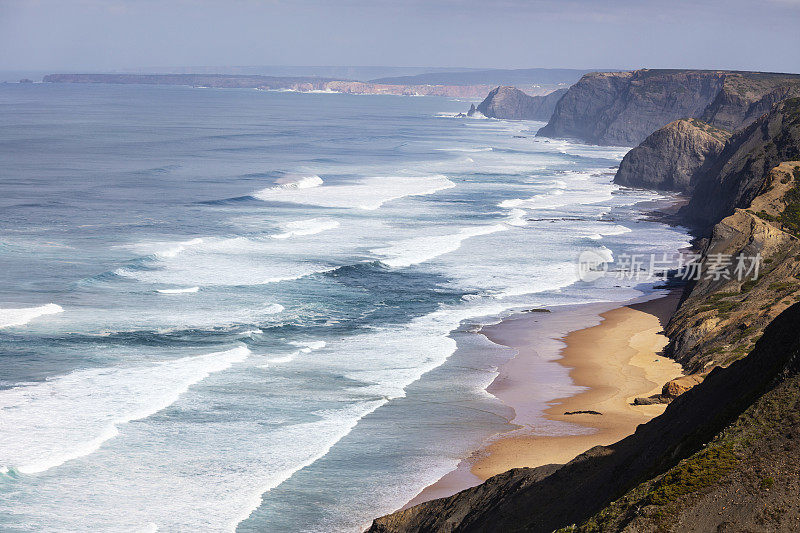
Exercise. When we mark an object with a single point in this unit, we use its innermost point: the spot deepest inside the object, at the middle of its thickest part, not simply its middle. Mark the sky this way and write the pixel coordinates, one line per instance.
(96, 35)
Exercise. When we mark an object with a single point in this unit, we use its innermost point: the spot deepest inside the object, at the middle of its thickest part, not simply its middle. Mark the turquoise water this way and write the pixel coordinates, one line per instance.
(228, 309)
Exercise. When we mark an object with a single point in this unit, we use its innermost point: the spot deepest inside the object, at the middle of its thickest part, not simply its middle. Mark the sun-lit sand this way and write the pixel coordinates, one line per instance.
(612, 363)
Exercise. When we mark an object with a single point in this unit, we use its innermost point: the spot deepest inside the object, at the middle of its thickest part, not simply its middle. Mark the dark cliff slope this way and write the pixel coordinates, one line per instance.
(747, 479)
(623, 108)
(672, 157)
(511, 103)
(722, 316)
(739, 173)
(530, 500)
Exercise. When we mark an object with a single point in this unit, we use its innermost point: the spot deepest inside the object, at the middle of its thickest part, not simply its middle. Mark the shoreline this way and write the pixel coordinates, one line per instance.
(590, 357)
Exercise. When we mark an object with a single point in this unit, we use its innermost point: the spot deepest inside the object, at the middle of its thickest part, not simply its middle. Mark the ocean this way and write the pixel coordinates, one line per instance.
(244, 310)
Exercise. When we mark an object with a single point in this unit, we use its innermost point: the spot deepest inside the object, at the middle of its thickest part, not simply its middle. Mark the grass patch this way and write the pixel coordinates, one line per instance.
(785, 286)
(749, 284)
(766, 216)
(698, 472)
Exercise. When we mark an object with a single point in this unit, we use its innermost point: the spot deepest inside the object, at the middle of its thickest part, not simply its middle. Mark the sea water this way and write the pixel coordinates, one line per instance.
(238, 309)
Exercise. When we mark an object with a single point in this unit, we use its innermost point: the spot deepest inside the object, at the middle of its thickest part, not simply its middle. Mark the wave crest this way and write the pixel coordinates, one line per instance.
(21, 316)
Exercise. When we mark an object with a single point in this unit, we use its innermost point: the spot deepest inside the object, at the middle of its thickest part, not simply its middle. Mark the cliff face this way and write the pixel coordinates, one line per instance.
(668, 449)
(623, 108)
(511, 103)
(739, 173)
(671, 158)
(721, 317)
(746, 96)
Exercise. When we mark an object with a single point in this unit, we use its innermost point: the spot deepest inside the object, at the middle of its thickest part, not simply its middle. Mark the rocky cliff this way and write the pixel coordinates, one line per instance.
(722, 457)
(739, 173)
(723, 314)
(511, 103)
(623, 108)
(672, 157)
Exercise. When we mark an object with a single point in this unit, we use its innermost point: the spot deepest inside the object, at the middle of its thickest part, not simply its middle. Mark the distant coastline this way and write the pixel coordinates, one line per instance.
(306, 84)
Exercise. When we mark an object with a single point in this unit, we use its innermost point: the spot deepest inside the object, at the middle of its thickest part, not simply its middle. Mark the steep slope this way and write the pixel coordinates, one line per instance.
(623, 108)
(672, 157)
(746, 479)
(531, 500)
(722, 315)
(511, 103)
(739, 173)
(745, 97)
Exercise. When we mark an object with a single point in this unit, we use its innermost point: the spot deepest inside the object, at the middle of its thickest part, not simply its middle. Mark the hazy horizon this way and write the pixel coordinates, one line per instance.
(118, 35)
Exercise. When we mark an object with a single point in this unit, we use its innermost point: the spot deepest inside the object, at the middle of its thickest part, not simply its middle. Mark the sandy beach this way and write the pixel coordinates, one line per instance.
(608, 363)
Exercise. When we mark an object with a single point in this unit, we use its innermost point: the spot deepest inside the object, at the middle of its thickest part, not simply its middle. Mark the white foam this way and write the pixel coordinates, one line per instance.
(179, 291)
(308, 346)
(21, 316)
(421, 249)
(175, 249)
(615, 229)
(305, 347)
(367, 193)
(309, 226)
(47, 424)
(304, 182)
(272, 309)
(224, 262)
(468, 150)
(334, 426)
(578, 188)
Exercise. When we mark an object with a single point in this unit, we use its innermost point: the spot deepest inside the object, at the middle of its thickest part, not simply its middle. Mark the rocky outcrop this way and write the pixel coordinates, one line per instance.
(746, 96)
(511, 103)
(587, 491)
(746, 478)
(623, 108)
(724, 313)
(739, 173)
(673, 157)
(678, 386)
(672, 389)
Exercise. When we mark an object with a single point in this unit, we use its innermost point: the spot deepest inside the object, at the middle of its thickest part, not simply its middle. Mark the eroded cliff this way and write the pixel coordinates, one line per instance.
(623, 108)
(511, 103)
(739, 173)
(672, 158)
